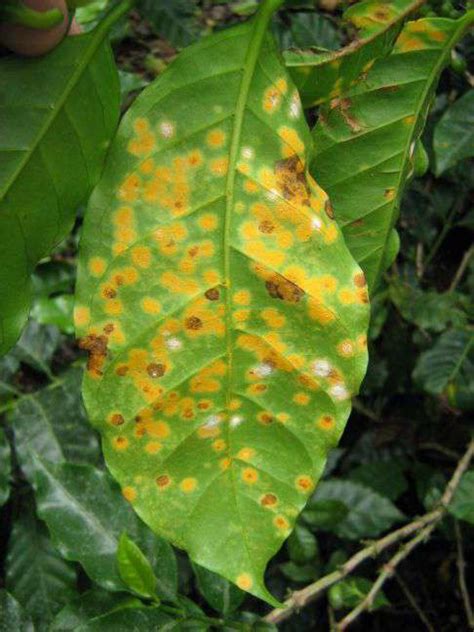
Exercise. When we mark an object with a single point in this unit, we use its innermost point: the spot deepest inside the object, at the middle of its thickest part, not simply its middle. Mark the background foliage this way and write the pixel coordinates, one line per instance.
(60, 567)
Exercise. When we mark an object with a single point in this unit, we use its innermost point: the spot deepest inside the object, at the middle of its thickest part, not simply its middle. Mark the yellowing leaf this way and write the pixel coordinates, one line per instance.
(223, 314)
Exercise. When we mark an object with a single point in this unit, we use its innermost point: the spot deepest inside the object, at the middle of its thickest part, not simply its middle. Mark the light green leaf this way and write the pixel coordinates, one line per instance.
(12, 615)
(364, 142)
(462, 505)
(52, 422)
(453, 138)
(217, 591)
(56, 310)
(134, 569)
(5, 468)
(59, 113)
(451, 357)
(326, 75)
(35, 574)
(349, 592)
(224, 317)
(369, 514)
(91, 605)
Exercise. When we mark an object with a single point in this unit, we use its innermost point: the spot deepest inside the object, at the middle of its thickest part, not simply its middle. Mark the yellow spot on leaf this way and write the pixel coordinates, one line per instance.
(129, 493)
(188, 485)
(249, 475)
(141, 256)
(151, 305)
(244, 581)
(97, 266)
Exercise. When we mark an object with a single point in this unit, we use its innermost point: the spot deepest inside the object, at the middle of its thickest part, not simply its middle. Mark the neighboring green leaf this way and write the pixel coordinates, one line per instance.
(224, 317)
(90, 606)
(176, 21)
(134, 569)
(86, 515)
(52, 422)
(59, 112)
(9, 365)
(451, 358)
(462, 505)
(37, 345)
(35, 573)
(55, 311)
(383, 476)
(302, 545)
(325, 514)
(348, 593)
(305, 29)
(5, 468)
(453, 138)
(369, 514)
(219, 593)
(326, 75)
(300, 573)
(12, 616)
(365, 142)
(126, 619)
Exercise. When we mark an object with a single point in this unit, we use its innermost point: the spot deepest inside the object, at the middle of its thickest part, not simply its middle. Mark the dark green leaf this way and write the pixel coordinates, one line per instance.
(462, 505)
(175, 21)
(454, 134)
(305, 30)
(5, 468)
(325, 513)
(349, 592)
(35, 574)
(211, 348)
(127, 619)
(37, 346)
(302, 545)
(450, 359)
(219, 593)
(9, 365)
(384, 477)
(369, 514)
(52, 422)
(134, 568)
(51, 154)
(365, 142)
(301, 573)
(12, 616)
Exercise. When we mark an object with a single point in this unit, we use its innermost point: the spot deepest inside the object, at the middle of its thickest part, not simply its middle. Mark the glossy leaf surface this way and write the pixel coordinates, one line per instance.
(365, 142)
(223, 314)
(58, 114)
(134, 569)
(326, 75)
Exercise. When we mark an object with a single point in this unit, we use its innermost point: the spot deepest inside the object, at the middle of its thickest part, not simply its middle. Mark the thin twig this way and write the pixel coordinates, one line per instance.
(301, 598)
(413, 602)
(462, 268)
(461, 564)
(437, 447)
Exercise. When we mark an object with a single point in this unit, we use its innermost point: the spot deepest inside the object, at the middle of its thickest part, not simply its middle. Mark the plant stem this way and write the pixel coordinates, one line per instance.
(301, 598)
(462, 268)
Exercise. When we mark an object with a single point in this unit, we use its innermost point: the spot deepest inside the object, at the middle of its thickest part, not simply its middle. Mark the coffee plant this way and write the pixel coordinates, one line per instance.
(218, 223)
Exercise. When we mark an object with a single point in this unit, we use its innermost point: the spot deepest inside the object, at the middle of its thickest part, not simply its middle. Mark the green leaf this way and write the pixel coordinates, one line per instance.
(86, 515)
(12, 615)
(302, 545)
(37, 346)
(300, 573)
(217, 591)
(56, 311)
(462, 505)
(369, 514)
(52, 422)
(325, 514)
(35, 574)
(349, 592)
(134, 569)
(90, 606)
(326, 75)
(174, 21)
(364, 143)
(5, 468)
(450, 358)
(224, 317)
(306, 29)
(126, 619)
(453, 138)
(51, 154)
(383, 476)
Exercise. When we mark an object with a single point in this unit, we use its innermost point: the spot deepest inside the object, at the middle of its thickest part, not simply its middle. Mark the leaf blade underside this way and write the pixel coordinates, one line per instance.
(365, 142)
(196, 328)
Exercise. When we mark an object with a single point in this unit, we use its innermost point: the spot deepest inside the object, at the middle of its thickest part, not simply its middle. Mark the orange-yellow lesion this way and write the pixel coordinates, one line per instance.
(302, 399)
(292, 143)
(120, 443)
(82, 315)
(304, 483)
(219, 166)
(188, 485)
(130, 188)
(249, 475)
(129, 493)
(281, 523)
(215, 138)
(244, 581)
(207, 379)
(97, 266)
(326, 422)
(245, 454)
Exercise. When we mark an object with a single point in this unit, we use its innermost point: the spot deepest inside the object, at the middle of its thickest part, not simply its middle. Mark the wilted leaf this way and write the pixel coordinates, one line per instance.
(451, 358)
(134, 569)
(326, 75)
(219, 593)
(453, 138)
(52, 422)
(51, 152)
(5, 468)
(224, 317)
(462, 505)
(368, 513)
(12, 615)
(35, 573)
(365, 142)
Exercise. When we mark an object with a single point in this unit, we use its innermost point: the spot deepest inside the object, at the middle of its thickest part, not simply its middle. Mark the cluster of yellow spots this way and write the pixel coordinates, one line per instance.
(273, 95)
(124, 229)
(271, 357)
(207, 379)
(273, 318)
(418, 35)
(144, 140)
(200, 320)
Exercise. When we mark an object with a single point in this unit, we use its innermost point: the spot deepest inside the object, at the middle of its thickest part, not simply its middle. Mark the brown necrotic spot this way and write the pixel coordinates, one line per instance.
(110, 292)
(359, 279)
(117, 419)
(328, 209)
(266, 226)
(121, 370)
(156, 370)
(193, 323)
(108, 329)
(268, 500)
(212, 294)
(96, 346)
(283, 289)
(163, 481)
